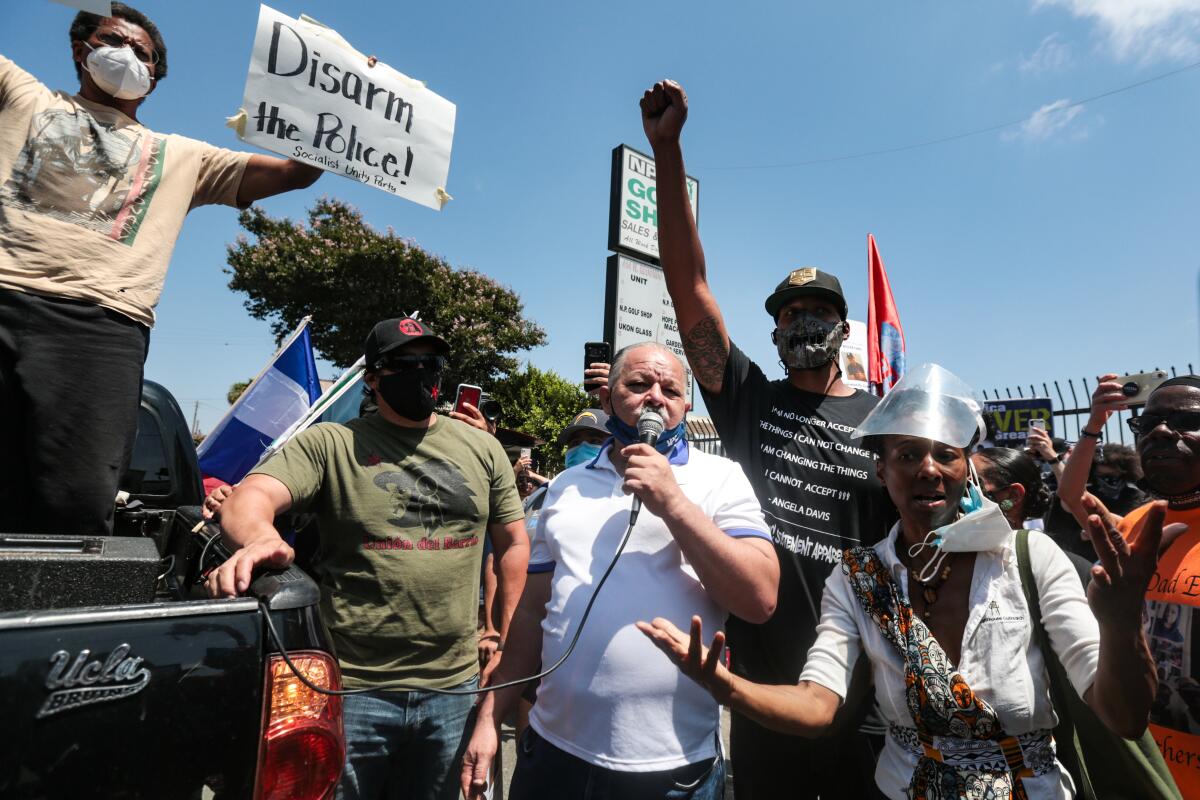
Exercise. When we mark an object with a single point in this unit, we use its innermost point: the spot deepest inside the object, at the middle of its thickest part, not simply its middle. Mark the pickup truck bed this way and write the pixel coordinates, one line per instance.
(183, 697)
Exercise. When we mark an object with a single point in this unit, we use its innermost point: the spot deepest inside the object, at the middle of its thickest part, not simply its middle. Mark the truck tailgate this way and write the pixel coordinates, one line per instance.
(153, 701)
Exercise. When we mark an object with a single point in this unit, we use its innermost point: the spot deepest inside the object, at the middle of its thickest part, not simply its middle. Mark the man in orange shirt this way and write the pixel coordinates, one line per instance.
(1168, 446)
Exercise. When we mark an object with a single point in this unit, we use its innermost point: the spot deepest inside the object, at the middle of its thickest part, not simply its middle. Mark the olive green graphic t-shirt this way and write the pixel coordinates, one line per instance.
(402, 513)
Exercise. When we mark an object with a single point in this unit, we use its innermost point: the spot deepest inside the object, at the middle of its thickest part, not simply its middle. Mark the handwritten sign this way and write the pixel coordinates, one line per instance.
(1010, 418)
(312, 97)
(633, 204)
(639, 309)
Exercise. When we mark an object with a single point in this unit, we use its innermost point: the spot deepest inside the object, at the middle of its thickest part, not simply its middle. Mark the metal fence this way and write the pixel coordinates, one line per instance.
(702, 434)
(1070, 416)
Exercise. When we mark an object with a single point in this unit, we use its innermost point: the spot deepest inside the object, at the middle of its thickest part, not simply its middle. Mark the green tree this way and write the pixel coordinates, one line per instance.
(541, 403)
(235, 391)
(348, 276)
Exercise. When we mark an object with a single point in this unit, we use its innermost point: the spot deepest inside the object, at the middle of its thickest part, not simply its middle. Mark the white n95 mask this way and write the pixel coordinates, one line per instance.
(981, 528)
(117, 71)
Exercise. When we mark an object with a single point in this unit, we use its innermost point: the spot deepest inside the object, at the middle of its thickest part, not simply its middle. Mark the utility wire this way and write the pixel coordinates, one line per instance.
(957, 136)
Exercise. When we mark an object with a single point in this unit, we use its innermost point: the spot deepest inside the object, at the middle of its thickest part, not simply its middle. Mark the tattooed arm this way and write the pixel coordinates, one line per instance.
(705, 340)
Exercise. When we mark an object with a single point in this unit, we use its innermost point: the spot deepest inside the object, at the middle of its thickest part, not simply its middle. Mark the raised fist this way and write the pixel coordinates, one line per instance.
(664, 110)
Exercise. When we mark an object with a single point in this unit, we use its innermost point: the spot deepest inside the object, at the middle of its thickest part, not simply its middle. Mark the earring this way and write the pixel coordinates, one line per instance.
(1006, 505)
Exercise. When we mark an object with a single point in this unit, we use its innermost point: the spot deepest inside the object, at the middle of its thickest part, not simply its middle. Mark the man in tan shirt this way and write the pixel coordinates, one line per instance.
(91, 203)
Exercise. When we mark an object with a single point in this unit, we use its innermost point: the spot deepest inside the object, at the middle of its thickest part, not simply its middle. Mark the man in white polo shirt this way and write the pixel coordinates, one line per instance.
(614, 721)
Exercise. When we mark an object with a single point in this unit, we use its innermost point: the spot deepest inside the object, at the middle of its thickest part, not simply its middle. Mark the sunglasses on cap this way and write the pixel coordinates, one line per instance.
(408, 362)
(1178, 421)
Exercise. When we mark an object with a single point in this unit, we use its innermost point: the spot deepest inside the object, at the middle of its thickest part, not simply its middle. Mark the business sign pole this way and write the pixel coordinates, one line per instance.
(633, 204)
(637, 307)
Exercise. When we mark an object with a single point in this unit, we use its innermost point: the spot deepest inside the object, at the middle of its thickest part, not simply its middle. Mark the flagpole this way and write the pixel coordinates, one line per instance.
(201, 449)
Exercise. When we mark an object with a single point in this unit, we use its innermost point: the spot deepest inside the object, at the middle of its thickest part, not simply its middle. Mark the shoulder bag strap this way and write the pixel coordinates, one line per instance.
(1069, 752)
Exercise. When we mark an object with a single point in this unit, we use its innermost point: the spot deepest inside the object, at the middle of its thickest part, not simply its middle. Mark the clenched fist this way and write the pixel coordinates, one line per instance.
(664, 110)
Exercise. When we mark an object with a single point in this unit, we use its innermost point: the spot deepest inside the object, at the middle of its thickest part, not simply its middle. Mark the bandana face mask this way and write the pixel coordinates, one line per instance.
(809, 342)
(1108, 486)
(627, 434)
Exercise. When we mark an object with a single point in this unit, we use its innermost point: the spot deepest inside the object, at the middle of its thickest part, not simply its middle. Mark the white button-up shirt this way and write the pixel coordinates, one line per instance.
(999, 658)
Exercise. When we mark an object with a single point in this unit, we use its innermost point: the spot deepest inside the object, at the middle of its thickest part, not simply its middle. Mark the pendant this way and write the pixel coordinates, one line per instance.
(930, 595)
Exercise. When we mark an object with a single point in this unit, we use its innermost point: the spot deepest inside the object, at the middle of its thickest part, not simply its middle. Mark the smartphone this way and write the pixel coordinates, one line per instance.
(1137, 387)
(1038, 423)
(467, 394)
(595, 353)
(526, 452)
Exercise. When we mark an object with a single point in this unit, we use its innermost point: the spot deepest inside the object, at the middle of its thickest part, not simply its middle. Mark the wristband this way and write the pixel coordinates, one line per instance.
(1090, 435)
(1058, 459)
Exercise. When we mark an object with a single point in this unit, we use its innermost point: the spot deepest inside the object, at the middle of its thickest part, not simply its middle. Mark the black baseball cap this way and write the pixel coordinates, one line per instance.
(390, 334)
(590, 419)
(807, 281)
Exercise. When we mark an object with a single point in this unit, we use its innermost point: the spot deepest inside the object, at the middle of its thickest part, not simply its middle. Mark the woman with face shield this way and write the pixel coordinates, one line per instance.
(938, 608)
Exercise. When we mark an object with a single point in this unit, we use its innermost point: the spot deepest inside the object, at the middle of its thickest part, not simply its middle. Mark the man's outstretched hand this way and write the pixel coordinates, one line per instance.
(664, 110)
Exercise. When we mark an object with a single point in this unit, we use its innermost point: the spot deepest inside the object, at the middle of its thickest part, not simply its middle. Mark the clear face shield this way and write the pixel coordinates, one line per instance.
(930, 402)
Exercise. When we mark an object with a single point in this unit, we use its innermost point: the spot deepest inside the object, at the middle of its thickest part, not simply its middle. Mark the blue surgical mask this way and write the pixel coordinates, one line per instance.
(627, 434)
(583, 453)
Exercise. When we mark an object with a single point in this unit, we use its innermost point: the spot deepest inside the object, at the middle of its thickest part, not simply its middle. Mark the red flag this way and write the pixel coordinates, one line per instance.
(885, 337)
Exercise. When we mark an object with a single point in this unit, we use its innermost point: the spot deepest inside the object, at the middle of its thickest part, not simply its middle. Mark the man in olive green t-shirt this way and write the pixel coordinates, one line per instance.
(403, 499)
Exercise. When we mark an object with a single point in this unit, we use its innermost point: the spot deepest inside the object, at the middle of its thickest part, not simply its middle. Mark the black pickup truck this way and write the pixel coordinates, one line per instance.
(120, 678)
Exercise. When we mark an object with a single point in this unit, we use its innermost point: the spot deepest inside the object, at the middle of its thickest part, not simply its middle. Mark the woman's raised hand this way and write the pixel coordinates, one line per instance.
(702, 664)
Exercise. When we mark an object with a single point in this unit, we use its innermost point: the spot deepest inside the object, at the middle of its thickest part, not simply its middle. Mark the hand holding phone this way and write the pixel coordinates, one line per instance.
(467, 393)
(1137, 387)
(595, 353)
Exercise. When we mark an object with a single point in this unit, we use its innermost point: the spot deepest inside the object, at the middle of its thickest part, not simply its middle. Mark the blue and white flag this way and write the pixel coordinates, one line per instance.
(276, 399)
(340, 403)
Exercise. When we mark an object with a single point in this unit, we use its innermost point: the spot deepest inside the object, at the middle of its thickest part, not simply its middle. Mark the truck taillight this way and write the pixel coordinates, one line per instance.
(303, 746)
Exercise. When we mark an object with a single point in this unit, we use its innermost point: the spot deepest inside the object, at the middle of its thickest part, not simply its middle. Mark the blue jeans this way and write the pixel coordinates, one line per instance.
(404, 745)
(544, 772)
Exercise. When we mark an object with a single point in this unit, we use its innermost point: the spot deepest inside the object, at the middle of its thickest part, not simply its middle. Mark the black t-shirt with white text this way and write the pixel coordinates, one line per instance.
(819, 494)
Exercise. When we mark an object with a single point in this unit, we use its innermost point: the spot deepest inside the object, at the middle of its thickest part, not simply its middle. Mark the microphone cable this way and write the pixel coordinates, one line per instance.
(278, 642)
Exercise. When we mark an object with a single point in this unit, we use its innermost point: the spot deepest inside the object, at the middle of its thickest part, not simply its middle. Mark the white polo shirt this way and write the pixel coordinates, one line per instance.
(618, 702)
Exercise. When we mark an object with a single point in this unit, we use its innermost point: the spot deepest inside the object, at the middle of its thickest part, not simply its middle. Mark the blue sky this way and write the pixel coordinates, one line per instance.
(1056, 248)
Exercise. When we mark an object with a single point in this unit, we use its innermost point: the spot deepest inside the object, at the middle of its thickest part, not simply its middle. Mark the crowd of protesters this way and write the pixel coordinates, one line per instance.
(894, 619)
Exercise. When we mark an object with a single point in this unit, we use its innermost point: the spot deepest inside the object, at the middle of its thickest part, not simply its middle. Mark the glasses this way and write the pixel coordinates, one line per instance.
(408, 363)
(1178, 421)
(114, 39)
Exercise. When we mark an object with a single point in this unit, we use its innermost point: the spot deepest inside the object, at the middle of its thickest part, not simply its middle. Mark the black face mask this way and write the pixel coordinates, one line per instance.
(412, 394)
(1106, 486)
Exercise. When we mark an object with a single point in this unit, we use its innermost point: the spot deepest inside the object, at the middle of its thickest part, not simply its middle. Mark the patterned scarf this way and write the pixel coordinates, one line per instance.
(940, 701)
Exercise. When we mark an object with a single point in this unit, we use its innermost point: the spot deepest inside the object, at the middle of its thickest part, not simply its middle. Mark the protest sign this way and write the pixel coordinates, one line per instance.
(638, 309)
(312, 97)
(853, 356)
(633, 203)
(1008, 420)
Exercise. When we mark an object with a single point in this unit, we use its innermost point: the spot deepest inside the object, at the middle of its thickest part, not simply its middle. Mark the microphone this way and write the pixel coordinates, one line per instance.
(650, 426)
